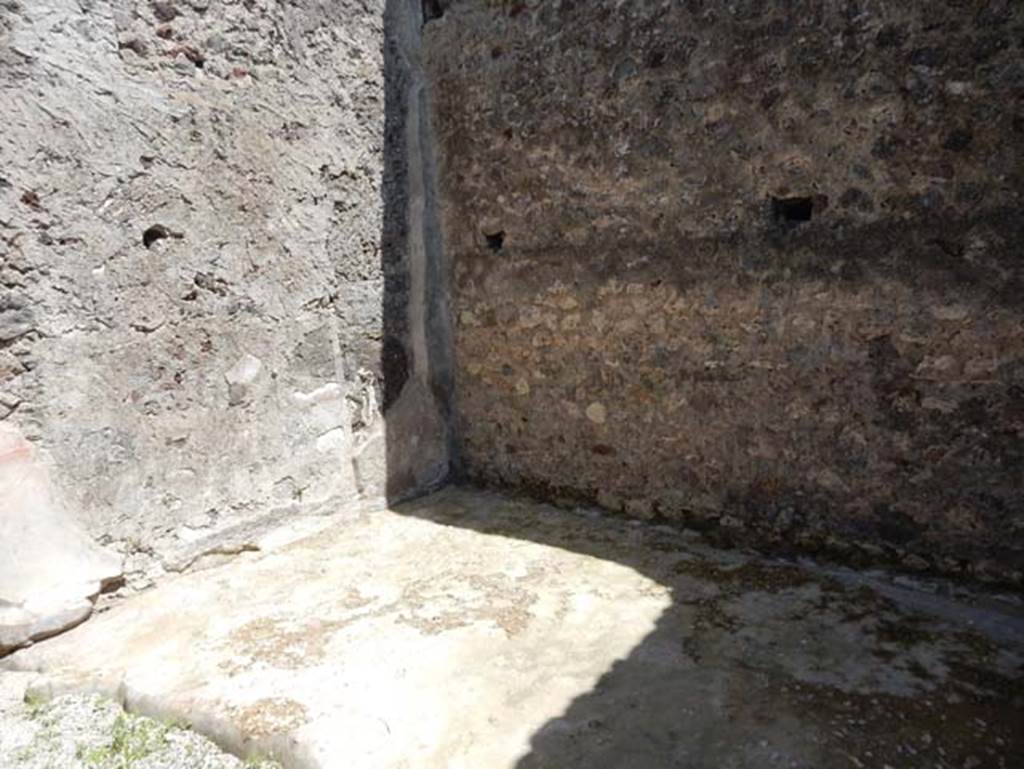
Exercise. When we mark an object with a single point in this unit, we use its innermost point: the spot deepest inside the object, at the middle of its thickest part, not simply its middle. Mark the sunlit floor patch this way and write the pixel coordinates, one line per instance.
(467, 630)
(387, 638)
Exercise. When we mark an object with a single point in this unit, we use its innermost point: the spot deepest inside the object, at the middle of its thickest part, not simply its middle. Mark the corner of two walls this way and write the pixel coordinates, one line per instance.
(418, 351)
(224, 292)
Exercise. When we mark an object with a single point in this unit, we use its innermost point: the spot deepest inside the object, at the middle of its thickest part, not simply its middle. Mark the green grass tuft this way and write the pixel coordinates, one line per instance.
(132, 739)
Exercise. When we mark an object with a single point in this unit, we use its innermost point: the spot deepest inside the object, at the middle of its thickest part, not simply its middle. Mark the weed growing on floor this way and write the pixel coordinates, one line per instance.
(260, 761)
(35, 703)
(132, 739)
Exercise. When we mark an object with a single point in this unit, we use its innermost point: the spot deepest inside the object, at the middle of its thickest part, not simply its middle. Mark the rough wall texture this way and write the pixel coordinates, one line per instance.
(205, 255)
(754, 265)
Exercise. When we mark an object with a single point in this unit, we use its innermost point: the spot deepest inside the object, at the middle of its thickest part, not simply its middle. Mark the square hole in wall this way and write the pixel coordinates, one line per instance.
(793, 210)
(495, 240)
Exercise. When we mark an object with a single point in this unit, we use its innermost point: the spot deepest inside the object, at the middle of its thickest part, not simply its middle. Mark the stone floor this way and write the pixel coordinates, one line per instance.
(88, 731)
(471, 631)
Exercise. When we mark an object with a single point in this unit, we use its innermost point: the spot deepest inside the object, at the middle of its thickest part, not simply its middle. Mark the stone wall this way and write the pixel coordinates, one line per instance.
(205, 256)
(750, 265)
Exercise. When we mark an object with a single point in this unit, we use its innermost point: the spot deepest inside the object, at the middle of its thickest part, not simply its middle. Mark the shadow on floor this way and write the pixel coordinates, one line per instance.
(763, 663)
(755, 664)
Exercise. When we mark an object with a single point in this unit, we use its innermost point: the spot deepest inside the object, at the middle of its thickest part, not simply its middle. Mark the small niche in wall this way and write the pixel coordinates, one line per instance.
(495, 240)
(158, 232)
(792, 210)
(432, 9)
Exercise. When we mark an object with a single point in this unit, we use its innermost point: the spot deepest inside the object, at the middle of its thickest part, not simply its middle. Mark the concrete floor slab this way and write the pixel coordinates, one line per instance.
(468, 630)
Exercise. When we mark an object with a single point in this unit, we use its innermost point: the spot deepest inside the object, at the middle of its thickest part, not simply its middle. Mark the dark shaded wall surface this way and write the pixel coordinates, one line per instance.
(750, 266)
